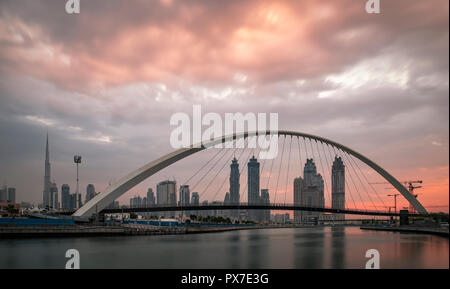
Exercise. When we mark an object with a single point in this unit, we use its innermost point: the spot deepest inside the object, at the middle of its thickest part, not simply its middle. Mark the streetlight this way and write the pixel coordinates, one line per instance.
(77, 160)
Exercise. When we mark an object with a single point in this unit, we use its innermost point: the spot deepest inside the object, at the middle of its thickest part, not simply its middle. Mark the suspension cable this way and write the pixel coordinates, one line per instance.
(323, 172)
(349, 191)
(364, 187)
(279, 170)
(287, 175)
(270, 172)
(354, 184)
(208, 171)
(213, 179)
(373, 189)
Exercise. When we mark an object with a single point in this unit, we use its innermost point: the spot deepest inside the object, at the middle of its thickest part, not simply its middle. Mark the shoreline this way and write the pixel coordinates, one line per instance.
(443, 232)
(17, 232)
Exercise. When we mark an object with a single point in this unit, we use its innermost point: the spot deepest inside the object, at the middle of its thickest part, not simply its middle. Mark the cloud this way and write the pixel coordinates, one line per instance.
(113, 44)
(105, 82)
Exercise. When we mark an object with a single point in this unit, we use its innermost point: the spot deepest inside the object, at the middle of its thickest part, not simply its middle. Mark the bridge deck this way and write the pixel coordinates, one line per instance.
(276, 207)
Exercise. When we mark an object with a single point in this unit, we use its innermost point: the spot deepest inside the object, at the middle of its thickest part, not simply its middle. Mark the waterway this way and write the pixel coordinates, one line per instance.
(327, 247)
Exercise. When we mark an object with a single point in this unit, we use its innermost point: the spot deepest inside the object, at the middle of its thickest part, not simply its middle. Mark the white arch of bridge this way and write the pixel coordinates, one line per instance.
(102, 200)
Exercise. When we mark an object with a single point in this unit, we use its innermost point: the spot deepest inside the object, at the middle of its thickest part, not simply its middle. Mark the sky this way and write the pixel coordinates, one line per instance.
(104, 83)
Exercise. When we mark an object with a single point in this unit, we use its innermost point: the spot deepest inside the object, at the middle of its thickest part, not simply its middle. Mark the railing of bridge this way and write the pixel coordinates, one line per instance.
(251, 206)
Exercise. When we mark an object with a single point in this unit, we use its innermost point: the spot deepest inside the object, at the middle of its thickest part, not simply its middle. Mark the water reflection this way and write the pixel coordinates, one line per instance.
(338, 247)
(329, 247)
(309, 248)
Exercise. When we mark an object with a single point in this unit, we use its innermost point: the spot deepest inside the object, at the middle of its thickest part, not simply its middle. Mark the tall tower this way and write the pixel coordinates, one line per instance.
(47, 182)
(253, 187)
(299, 186)
(338, 186)
(166, 195)
(265, 199)
(234, 186)
(184, 195)
(90, 192)
(312, 193)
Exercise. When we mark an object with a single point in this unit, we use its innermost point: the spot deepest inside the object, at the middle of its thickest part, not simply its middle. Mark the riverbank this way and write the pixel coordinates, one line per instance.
(18, 232)
(444, 232)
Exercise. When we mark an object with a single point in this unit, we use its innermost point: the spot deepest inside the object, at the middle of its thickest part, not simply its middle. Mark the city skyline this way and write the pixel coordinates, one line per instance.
(368, 88)
(230, 142)
(312, 180)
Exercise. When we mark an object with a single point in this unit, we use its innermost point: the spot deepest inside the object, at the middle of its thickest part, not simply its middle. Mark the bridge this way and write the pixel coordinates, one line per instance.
(359, 196)
(246, 206)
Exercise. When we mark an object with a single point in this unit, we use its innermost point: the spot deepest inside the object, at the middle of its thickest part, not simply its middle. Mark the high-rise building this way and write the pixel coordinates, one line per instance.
(338, 187)
(53, 202)
(90, 192)
(253, 188)
(299, 184)
(166, 195)
(150, 197)
(265, 199)
(3, 194)
(227, 201)
(73, 201)
(205, 213)
(12, 195)
(65, 197)
(136, 202)
(113, 205)
(47, 182)
(234, 186)
(195, 199)
(185, 195)
(309, 192)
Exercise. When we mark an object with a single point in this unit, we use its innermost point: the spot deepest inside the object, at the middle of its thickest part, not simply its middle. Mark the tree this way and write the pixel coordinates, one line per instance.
(12, 210)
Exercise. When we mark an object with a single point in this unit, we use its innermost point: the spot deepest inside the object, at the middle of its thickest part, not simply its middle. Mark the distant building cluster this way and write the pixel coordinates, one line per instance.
(68, 200)
(7, 195)
(8, 205)
(309, 191)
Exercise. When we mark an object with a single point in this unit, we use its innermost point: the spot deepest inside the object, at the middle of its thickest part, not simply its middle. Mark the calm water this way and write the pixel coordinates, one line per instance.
(270, 248)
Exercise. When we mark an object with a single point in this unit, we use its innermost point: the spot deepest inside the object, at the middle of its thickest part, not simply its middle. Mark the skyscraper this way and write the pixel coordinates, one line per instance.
(299, 185)
(265, 199)
(195, 200)
(53, 202)
(184, 195)
(166, 194)
(227, 201)
(309, 192)
(234, 186)
(135, 202)
(65, 197)
(47, 182)
(338, 186)
(253, 188)
(12, 195)
(150, 197)
(3, 194)
(90, 192)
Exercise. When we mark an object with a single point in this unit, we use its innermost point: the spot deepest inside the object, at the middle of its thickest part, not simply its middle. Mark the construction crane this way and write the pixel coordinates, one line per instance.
(395, 201)
(409, 185)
